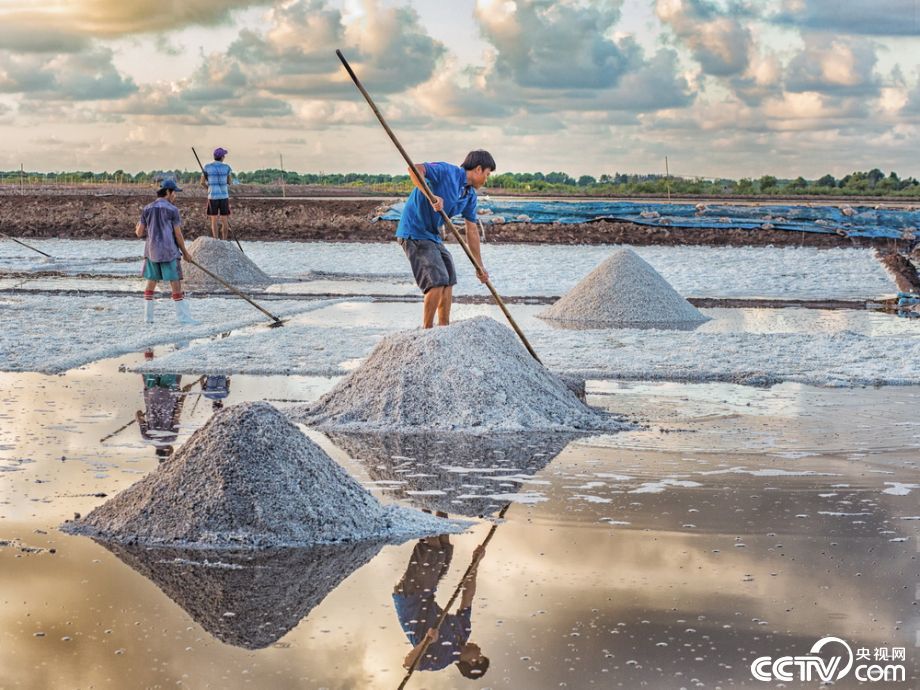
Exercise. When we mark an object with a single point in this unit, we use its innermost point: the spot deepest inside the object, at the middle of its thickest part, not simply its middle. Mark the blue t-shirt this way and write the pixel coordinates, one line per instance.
(421, 222)
(419, 612)
(217, 173)
(161, 219)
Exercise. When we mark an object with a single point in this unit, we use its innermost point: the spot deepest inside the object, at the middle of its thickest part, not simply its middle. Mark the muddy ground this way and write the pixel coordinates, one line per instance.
(83, 216)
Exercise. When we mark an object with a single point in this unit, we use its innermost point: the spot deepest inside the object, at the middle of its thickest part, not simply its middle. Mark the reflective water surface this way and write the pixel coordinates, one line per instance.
(734, 523)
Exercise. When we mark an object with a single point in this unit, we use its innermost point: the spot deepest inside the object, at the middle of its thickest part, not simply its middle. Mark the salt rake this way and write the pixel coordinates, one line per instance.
(426, 190)
(229, 229)
(3, 234)
(275, 320)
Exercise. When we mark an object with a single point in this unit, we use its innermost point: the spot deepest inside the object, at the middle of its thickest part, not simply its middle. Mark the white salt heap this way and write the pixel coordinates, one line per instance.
(224, 259)
(624, 290)
(472, 376)
(249, 478)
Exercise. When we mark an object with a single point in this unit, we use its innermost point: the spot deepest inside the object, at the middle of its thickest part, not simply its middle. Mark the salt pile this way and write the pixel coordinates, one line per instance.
(472, 376)
(248, 599)
(249, 478)
(624, 290)
(224, 259)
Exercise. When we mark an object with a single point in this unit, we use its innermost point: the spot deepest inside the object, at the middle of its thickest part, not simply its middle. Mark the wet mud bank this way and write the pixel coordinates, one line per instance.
(82, 216)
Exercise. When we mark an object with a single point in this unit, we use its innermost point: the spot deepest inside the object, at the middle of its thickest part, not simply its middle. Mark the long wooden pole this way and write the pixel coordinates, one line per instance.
(426, 190)
(227, 219)
(3, 234)
(460, 586)
(277, 321)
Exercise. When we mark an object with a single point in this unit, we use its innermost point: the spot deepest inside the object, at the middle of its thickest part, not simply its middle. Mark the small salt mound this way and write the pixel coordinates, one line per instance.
(224, 259)
(624, 290)
(249, 478)
(472, 376)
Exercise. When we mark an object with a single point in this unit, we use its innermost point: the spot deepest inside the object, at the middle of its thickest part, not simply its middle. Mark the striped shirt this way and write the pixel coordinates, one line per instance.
(217, 174)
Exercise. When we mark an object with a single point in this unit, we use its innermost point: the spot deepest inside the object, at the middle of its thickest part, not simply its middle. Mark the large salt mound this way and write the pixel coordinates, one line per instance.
(471, 376)
(249, 478)
(224, 259)
(624, 290)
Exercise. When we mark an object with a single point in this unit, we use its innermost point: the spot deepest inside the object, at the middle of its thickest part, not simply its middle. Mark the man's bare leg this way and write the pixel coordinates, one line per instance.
(224, 228)
(214, 227)
(430, 306)
(447, 297)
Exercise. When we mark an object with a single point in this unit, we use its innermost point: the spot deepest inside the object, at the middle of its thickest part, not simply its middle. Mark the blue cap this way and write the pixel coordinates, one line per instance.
(220, 152)
(170, 184)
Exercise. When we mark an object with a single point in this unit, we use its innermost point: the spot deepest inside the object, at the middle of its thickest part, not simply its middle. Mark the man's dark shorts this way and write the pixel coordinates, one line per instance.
(432, 265)
(219, 207)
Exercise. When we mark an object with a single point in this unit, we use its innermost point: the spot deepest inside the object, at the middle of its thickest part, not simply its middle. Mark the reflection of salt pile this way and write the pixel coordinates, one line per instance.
(249, 478)
(224, 259)
(474, 376)
(624, 290)
(248, 599)
(460, 474)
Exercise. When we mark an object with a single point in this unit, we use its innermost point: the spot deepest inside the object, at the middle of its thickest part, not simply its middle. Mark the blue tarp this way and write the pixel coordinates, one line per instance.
(858, 221)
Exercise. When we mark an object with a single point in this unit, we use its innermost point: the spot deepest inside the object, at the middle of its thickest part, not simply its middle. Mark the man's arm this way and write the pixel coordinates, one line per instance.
(469, 586)
(140, 229)
(472, 240)
(180, 240)
(430, 637)
(204, 180)
(417, 176)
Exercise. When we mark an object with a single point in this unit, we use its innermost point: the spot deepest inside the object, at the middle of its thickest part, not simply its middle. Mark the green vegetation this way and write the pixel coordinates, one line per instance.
(871, 183)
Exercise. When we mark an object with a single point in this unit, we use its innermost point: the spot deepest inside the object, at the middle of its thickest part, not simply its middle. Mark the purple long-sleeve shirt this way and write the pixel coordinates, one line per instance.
(161, 219)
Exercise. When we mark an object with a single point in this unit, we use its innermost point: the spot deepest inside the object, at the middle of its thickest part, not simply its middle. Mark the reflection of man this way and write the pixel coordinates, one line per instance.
(418, 611)
(163, 400)
(216, 388)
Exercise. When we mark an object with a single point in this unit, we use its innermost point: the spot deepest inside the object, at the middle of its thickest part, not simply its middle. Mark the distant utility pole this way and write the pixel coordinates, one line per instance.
(281, 156)
(667, 178)
(22, 173)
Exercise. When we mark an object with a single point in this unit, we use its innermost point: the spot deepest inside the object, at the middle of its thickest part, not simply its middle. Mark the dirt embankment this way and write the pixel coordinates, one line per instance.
(111, 217)
(902, 269)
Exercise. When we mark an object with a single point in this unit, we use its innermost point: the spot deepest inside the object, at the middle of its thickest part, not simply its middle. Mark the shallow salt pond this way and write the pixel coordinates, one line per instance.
(515, 269)
(736, 522)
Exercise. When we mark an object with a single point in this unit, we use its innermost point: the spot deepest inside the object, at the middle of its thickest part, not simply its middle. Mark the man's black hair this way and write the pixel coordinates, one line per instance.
(477, 158)
(162, 192)
(474, 671)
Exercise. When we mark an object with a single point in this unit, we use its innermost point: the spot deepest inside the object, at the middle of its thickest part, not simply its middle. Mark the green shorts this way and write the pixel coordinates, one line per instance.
(163, 270)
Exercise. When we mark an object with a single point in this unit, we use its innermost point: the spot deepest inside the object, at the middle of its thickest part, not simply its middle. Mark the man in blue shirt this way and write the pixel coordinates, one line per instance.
(418, 231)
(216, 178)
(435, 648)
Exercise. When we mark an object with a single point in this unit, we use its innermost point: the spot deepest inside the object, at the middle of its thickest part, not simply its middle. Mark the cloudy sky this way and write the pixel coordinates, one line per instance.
(722, 87)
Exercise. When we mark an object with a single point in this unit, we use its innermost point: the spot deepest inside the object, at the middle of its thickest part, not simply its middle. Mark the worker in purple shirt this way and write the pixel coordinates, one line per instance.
(161, 225)
(454, 190)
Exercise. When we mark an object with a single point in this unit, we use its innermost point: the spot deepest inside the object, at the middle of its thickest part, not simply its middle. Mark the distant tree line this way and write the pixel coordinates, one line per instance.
(871, 183)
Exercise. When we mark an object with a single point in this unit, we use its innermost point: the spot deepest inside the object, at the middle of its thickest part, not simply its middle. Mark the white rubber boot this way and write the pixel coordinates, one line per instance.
(184, 315)
(148, 311)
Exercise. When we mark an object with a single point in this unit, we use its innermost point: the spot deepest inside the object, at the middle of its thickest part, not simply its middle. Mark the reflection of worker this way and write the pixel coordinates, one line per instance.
(163, 400)
(216, 388)
(418, 611)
